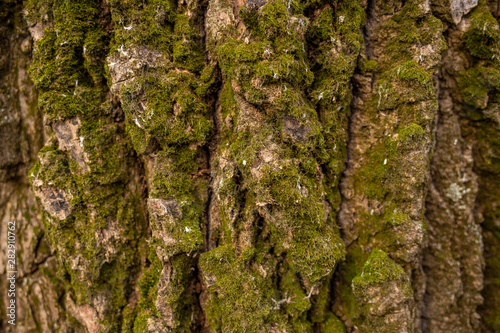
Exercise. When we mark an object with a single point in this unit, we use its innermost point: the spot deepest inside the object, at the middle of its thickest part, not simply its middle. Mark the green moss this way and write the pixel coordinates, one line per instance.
(66, 57)
(370, 65)
(68, 70)
(164, 106)
(240, 296)
(482, 38)
(297, 303)
(333, 325)
(411, 71)
(138, 23)
(38, 11)
(371, 177)
(42, 70)
(397, 218)
(407, 83)
(148, 291)
(273, 176)
(477, 85)
(172, 181)
(410, 133)
(378, 268)
(187, 52)
(479, 90)
(95, 49)
(323, 27)
(208, 78)
(339, 30)
(408, 27)
(380, 275)
(166, 112)
(320, 311)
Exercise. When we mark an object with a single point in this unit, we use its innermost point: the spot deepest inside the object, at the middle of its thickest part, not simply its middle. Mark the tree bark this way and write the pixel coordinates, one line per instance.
(250, 166)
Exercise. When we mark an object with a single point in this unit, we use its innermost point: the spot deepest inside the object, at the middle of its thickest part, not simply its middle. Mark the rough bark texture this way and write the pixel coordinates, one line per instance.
(251, 166)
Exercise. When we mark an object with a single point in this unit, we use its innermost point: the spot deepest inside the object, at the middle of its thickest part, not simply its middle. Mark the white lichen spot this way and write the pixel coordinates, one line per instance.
(371, 212)
(137, 123)
(275, 76)
(320, 97)
(380, 92)
(244, 162)
(456, 192)
(122, 51)
(164, 208)
(455, 142)
(81, 141)
(341, 19)
(129, 27)
(187, 229)
(385, 161)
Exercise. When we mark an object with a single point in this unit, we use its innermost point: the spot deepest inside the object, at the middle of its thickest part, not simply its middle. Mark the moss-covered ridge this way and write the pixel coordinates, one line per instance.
(97, 227)
(392, 125)
(283, 126)
(158, 71)
(383, 289)
(479, 92)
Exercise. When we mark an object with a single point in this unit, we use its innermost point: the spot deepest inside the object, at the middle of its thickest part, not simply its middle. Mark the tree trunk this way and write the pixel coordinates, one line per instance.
(250, 166)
